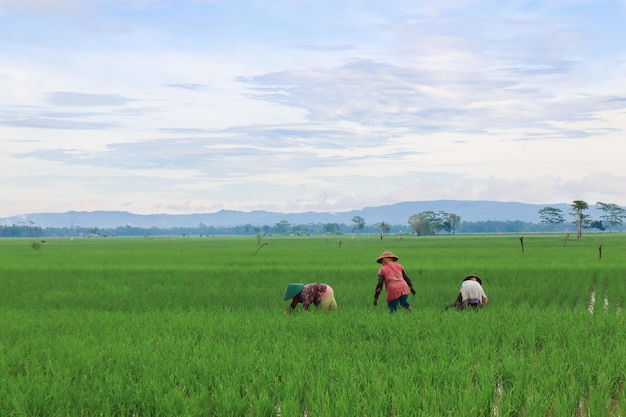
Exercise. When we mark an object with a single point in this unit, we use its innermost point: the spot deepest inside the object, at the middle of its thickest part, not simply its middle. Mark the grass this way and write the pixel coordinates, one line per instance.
(196, 327)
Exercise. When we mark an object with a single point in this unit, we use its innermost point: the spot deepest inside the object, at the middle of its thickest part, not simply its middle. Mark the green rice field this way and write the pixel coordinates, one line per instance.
(196, 326)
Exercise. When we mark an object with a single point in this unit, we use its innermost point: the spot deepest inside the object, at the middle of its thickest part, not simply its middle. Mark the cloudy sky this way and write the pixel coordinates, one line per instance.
(183, 106)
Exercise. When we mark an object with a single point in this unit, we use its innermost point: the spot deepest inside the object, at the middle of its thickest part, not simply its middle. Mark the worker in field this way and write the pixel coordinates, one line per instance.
(471, 293)
(396, 281)
(320, 295)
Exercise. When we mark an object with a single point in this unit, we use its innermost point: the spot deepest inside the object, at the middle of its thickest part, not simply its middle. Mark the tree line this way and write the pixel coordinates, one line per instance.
(612, 216)
(421, 224)
(551, 220)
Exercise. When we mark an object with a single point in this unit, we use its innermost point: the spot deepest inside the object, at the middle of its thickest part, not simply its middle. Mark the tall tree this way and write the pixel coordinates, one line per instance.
(332, 228)
(282, 227)
(451, 223)
(417, 224)
(551, 216)
(384, 227)
(359, 223)
(422, 223)
(612, 214)
(578, 208)
(435, 220)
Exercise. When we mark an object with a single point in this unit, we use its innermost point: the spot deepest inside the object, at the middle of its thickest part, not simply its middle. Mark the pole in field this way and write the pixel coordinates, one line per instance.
(600, 252)
(257, 249)
(521, 241)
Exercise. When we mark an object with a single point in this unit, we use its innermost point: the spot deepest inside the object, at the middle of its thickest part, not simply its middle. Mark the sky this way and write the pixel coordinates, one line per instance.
(194, 106)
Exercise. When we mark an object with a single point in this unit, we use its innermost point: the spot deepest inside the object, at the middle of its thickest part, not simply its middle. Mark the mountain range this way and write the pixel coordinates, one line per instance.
(394, 214)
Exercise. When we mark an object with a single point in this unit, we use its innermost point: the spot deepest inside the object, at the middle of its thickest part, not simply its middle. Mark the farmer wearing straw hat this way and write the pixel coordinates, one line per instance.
(471, 293)
(398, 284)
(320, 295)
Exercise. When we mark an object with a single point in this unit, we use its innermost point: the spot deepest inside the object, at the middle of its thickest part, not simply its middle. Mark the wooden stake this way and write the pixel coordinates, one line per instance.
(257, 249)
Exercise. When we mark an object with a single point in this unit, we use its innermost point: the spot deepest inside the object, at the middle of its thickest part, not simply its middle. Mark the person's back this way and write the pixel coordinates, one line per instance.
(394, 281)
(472, 293)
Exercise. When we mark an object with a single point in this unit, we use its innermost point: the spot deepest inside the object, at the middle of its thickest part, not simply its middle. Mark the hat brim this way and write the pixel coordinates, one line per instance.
(387, 254)
(292, 290)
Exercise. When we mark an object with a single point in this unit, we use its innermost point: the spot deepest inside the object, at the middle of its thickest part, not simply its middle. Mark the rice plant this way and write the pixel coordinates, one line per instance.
(196, 327)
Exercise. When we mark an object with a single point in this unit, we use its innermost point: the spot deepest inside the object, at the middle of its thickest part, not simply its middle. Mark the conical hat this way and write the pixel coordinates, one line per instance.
(386, 254)
(292, 290)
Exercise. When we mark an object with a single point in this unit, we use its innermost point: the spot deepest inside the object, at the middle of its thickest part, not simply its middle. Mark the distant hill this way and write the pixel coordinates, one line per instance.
(394, 214)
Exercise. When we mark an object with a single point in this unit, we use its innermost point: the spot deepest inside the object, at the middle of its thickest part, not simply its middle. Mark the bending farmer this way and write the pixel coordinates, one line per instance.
(398, 284)
(471, 293)
(320, 295)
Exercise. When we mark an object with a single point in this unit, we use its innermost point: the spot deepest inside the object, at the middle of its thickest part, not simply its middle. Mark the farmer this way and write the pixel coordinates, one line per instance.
(320, 295)
(471, 293)
(398, 284)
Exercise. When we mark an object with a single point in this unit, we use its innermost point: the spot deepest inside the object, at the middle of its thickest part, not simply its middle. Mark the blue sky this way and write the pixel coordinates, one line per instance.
(155, 106)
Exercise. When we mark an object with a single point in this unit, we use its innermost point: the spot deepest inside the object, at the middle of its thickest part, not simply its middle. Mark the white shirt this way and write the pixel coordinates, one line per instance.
(472, 292)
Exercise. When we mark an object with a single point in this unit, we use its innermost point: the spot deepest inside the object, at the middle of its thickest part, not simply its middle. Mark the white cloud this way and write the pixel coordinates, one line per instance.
(199, 106)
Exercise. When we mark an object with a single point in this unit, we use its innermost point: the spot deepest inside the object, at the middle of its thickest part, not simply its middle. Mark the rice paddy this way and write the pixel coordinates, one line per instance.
(196, 326)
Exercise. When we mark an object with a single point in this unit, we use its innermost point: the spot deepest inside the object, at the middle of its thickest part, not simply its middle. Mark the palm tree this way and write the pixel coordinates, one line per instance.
(359, 223)
(384, 227)
(579, 206)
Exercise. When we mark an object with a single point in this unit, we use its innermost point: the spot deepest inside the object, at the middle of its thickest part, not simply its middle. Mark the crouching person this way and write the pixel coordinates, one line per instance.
(471, 293)
(320, 295)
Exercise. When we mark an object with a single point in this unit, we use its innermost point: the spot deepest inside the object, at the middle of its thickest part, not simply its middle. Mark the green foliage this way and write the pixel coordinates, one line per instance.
(551, 216)
(429, 222)
(384, 227)
(20, 231)
(578, 208)
(196, 327)
(358, 223)
(612, 214)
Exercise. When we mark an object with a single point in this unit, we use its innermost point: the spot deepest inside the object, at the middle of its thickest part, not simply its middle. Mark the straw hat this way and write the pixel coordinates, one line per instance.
(292, 290)
(469, 277)
(386, 254)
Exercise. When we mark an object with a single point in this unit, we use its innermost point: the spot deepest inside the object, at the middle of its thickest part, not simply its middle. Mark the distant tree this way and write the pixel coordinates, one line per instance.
(597, 224)
(551, 216)
(384, 227)
(578, 208)
(435, 220)
(421, 224)
(332, 228)
(20, 231)
(431, 222)
(451, 222)
(491, 226)
(247, 228)
(282, 227)
(358, 223)
(416, 224)
(612, 214)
